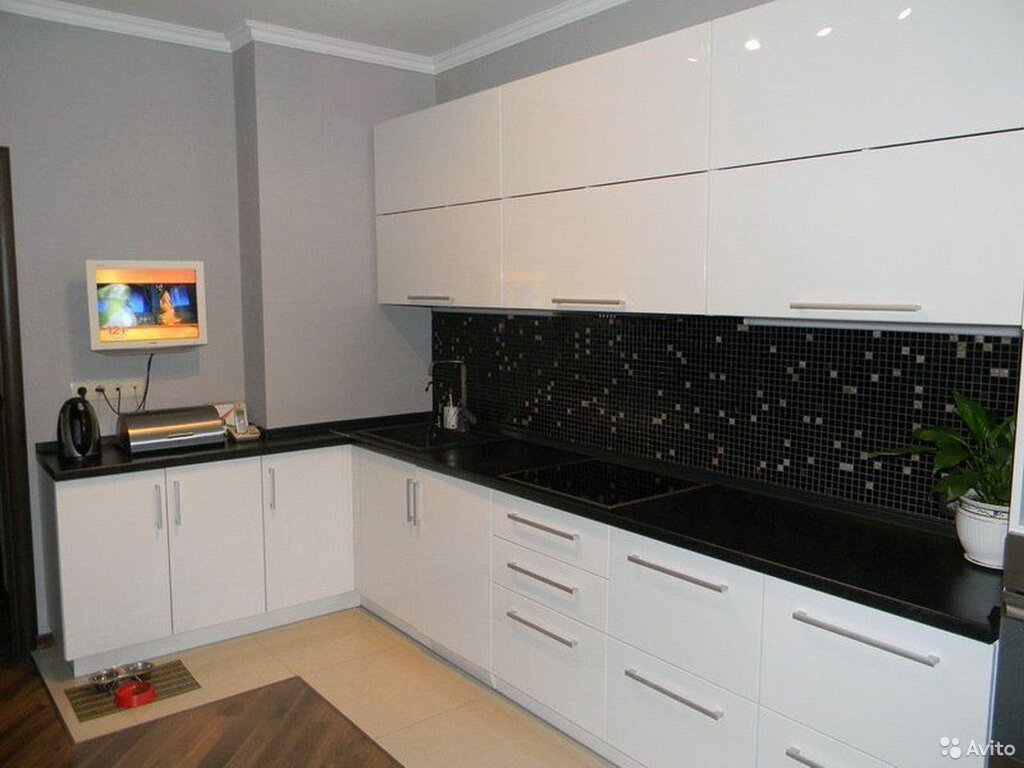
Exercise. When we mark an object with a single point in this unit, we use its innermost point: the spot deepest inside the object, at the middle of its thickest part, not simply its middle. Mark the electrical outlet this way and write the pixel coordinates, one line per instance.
(131, 392)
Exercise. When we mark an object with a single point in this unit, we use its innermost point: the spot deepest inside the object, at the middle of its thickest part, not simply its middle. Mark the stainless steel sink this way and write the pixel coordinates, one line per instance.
(425, 437)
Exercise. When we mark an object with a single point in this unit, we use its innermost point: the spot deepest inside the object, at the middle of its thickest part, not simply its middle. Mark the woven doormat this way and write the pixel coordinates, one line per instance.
(170, 679)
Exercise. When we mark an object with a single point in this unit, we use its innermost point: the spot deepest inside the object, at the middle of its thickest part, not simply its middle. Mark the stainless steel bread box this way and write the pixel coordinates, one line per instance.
(170, 429)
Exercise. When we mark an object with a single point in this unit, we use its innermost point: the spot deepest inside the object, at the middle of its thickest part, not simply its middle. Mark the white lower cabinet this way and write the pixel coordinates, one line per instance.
(665, 717)
(885, 685)
(781, 743)
(307, 523)
(554, 659)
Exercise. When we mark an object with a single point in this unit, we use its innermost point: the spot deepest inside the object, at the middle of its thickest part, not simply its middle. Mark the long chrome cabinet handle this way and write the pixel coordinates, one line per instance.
(158, 493)
(678, 574)
(541, 527)
(927, 659)
(513, 566)
(590, 302)
(409, 495)
(415, 502)
(855, 306)
(177, 503)
(427, 297)
(273, 487)
(714, 714)
(543, 630)
(794, 754)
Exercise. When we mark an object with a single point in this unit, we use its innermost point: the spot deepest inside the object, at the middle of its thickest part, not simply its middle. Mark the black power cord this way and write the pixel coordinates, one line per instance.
(140, 405)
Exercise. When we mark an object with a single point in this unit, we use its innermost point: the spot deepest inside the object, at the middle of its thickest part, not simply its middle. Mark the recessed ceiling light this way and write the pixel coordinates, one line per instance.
(904, 13)
(691, 59)
(824, 32)
(752, 44)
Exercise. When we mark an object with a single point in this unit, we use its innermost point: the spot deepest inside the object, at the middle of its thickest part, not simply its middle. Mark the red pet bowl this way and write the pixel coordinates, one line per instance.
(134, 695)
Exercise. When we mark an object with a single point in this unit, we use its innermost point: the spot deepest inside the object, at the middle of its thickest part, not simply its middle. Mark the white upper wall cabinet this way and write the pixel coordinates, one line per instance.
(439, 156)
(634, 113)
(795, 78)
(636, 247)
(928, 233)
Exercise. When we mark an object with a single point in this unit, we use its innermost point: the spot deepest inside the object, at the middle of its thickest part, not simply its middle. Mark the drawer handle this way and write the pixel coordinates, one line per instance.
(927, 659)
(541, 527)
(427, 297)
(543, 630)
(591, 302)
(714, 714)
(794, 754)
(677, 574)
(512, 566)
(158, 495)
(410, 499)
(855, 306)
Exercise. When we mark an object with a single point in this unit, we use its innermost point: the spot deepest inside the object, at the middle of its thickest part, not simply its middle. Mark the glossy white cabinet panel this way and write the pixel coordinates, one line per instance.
(667, 718)
(634, 113)
(114, 583)
(695, 612)
(883, 235)
(781, 743)
(216, 543)
(882, 684)
(570, 538)
(439, 156)
(444, 256)
(637, 247)
(307, 517)
(564, 588)
(885, 72)
(554, 659)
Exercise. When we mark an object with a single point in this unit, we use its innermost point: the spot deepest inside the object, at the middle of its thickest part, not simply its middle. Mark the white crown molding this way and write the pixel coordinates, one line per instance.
(119, 23)
(258, 31)
(520, 31)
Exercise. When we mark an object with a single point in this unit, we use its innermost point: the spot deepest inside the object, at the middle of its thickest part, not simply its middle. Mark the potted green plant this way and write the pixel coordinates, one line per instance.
(976, 471)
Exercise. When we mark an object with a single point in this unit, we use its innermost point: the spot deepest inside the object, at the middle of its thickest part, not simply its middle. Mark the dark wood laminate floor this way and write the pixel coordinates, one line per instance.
(284, 724)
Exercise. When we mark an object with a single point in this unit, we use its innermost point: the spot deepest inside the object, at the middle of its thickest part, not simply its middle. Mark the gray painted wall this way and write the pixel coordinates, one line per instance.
(622, 25)
(120, 148)
(328, 350)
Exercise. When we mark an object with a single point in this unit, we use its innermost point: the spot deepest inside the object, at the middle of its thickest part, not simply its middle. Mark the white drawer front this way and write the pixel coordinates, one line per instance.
(693, 611)
(578, 594)
(781, 743)
(566, 537)
(884, 684)
(664, 716)
(557, 661)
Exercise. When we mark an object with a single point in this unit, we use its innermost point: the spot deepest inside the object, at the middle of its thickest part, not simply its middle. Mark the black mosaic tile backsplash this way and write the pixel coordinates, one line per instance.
(792, 406)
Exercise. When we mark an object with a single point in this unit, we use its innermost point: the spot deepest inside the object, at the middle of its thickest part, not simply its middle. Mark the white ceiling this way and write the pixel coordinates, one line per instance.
(424, 27)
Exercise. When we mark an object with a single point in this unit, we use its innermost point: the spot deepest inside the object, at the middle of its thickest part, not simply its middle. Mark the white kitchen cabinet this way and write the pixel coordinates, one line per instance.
(550, 657)
(112, 543)
(886, 235)
(443, 256)
(695, 612)
(439, 156)
(637, 247)
(634, 113)
(216, 543)
(781, 743)
(668, 718)
(424, 553)
(307, 523)
(885, 685)
(794, 78)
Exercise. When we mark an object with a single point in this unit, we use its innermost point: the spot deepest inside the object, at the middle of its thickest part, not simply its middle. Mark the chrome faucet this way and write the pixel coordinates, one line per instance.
(464, 417)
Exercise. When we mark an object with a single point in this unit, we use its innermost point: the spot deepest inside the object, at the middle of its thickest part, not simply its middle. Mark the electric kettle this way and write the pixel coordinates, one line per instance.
(78, 429)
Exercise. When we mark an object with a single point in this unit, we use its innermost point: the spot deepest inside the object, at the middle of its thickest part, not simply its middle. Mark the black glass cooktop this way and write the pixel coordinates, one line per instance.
(601, 484)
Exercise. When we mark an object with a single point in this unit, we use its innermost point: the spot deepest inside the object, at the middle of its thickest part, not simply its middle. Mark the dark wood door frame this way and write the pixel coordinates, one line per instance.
(14, 483)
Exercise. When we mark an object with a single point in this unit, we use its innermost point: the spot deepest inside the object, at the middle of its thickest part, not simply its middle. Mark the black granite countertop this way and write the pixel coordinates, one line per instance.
(910, 570)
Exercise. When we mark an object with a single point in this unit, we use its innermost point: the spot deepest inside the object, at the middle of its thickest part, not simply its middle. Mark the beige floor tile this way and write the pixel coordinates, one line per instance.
(394, 689)
(489, 733)
(329, 640)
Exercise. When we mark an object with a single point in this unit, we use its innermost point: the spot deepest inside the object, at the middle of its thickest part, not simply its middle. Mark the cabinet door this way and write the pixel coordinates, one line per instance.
(442, 256)
(112, 540)
(894, 234)
(885, 73)
(439, 156)
(216, 542)
(636, 247)
(307, 520)
(634, 113)
(387, 567)
(452, 519)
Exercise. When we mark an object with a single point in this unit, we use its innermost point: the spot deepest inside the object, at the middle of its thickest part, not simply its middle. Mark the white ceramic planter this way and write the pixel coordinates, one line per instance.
(982, 530)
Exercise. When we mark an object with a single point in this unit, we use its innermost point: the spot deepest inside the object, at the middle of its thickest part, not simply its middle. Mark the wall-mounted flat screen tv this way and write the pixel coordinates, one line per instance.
(145, 304)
